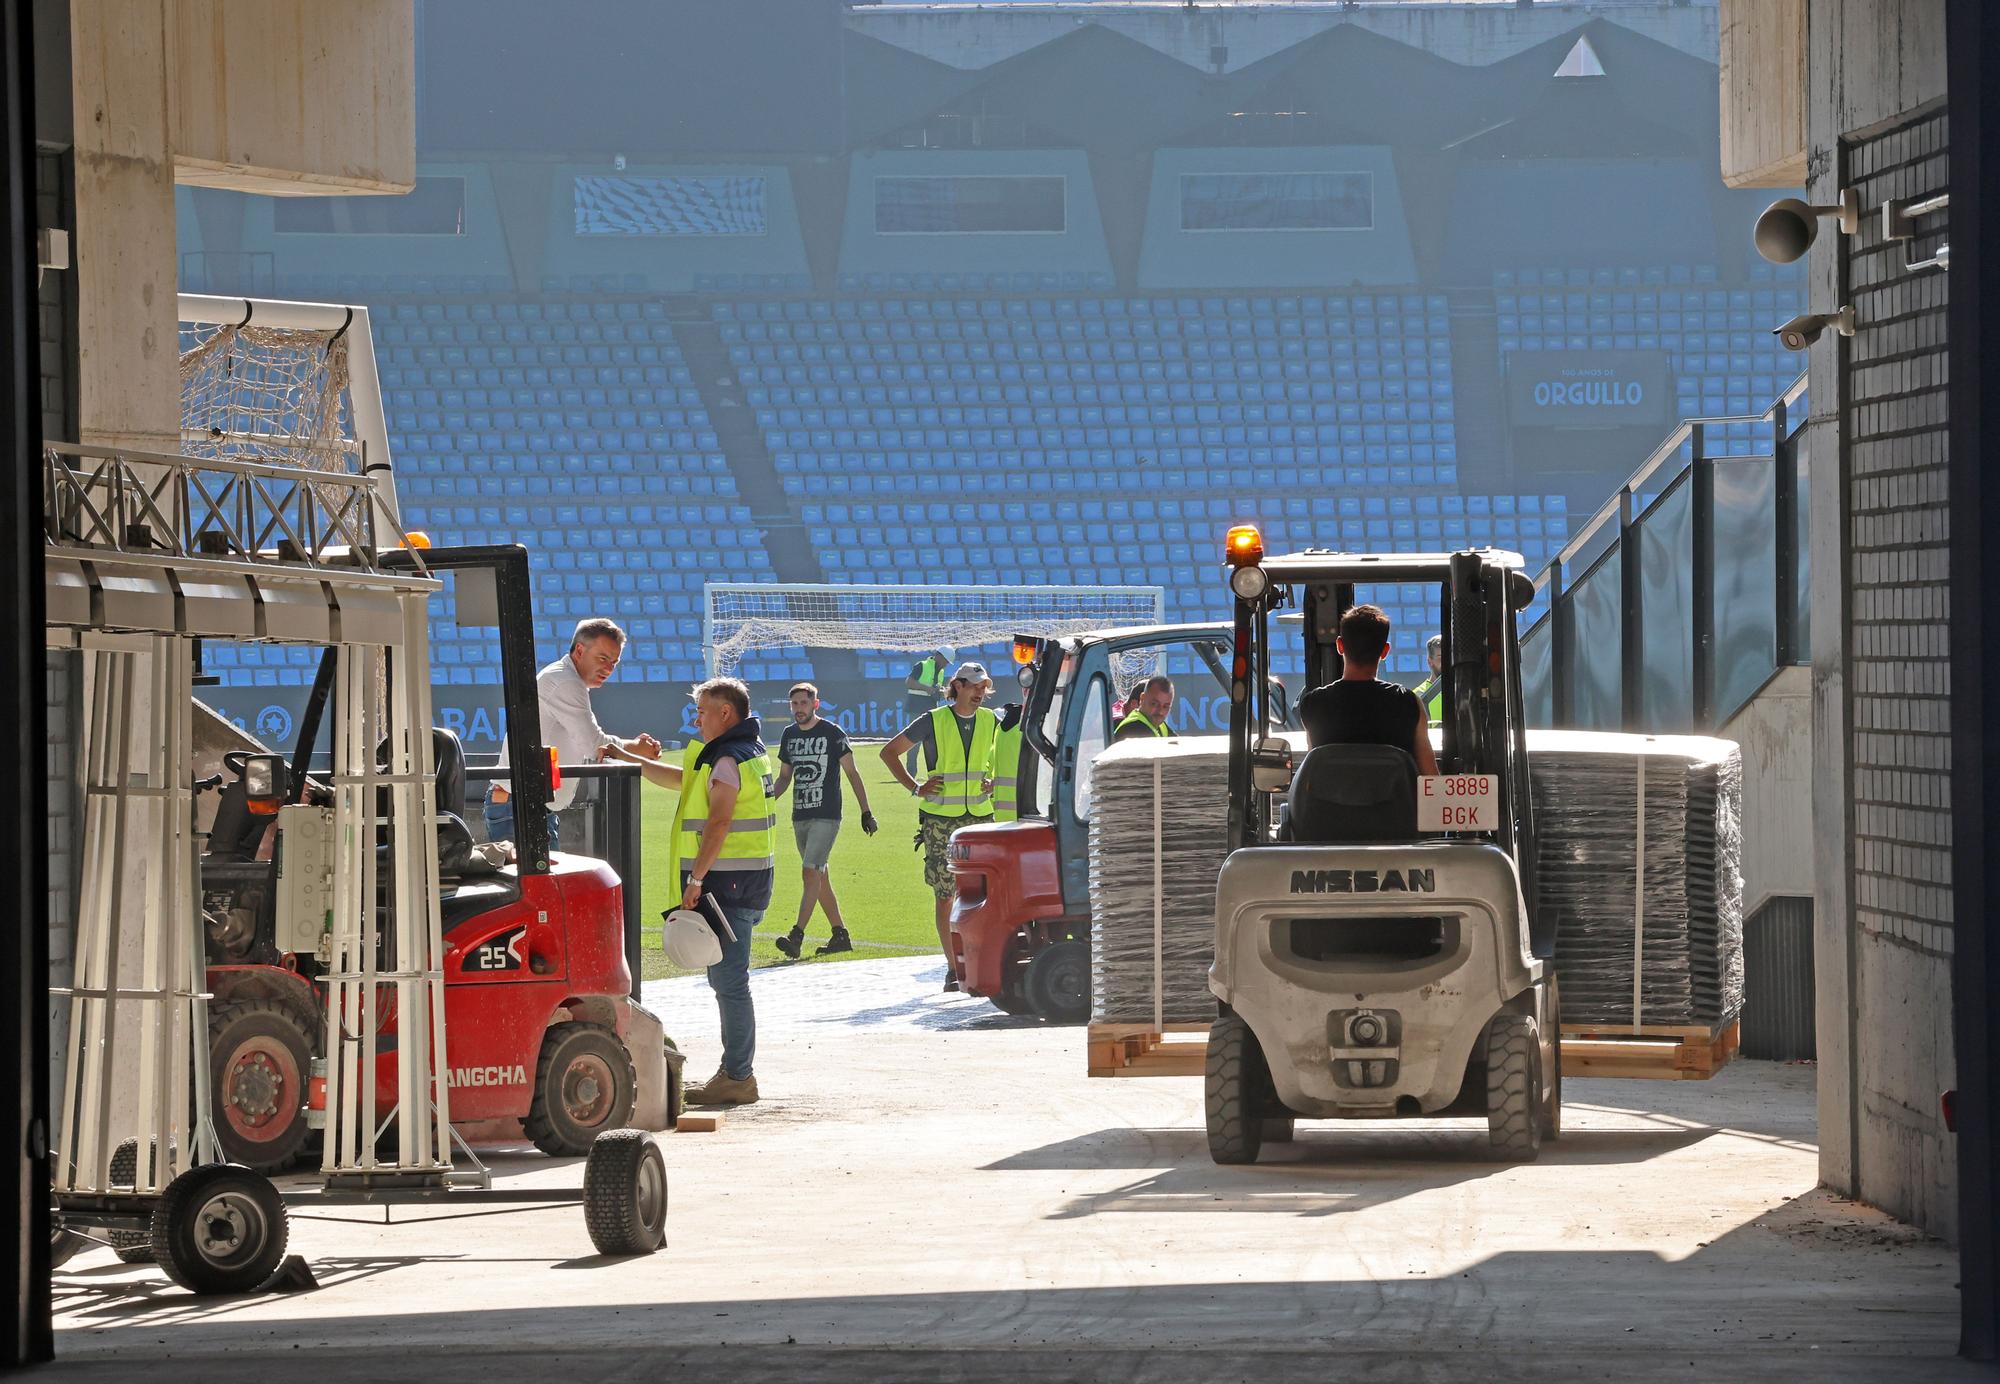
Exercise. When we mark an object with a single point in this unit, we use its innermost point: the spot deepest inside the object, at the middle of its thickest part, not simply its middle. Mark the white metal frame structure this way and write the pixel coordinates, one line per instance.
(144, 553)
(369, 445)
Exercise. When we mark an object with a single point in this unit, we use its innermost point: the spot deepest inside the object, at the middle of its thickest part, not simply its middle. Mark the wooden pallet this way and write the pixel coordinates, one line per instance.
(1655, 1052)
(1142, 1050)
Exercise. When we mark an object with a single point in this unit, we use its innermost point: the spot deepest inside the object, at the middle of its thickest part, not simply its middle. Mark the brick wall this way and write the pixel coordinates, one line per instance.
(1898, 532)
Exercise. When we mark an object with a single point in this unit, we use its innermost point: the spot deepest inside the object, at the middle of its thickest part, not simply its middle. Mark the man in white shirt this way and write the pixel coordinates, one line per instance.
(569, 726)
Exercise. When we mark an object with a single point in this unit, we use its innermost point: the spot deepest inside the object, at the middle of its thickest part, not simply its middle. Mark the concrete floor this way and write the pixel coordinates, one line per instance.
(933, 1191)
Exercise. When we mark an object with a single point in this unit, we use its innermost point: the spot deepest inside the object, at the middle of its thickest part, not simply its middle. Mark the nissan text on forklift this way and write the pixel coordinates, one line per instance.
(1377, 948)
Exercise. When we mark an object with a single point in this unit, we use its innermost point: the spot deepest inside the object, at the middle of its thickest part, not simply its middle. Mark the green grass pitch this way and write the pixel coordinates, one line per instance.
(878, 879)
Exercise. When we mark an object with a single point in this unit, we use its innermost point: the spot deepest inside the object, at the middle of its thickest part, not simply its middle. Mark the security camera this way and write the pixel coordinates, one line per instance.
(1802, 331)
(1788, 227)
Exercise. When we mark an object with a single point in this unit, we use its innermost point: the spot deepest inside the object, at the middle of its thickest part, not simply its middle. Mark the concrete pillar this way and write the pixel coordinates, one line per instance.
(128, 383)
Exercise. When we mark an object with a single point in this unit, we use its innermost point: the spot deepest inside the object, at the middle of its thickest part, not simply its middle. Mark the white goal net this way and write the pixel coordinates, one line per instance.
(740, 618)
(288, 384)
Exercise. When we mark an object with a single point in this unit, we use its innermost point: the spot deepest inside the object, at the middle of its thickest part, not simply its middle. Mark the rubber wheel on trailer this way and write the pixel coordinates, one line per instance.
(625, 1193)
(132, 1246)
(1234, 1092)
(220, 1228)
(1552, 1106)
(1058, 983)
(584, 1085)
(1514, 1087)
(260, 1061)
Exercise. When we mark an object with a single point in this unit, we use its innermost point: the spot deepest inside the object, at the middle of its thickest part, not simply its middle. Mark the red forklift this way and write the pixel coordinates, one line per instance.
(1020, 915)
(542, 1026)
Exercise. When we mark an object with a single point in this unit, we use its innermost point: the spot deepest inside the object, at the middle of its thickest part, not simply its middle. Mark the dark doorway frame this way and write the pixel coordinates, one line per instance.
(1973, 30)
(23, 783)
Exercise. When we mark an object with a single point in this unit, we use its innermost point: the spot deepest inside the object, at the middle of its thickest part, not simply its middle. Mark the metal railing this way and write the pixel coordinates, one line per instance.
(1693, 574)
(165, 505)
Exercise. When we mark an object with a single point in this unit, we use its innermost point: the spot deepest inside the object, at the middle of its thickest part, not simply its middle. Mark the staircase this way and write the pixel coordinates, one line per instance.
(776, 514)
(1485, 441)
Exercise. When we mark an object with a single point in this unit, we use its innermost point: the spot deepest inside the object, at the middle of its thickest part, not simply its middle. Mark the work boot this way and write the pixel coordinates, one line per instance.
(724, 1089)
(790, 943)
(951, 985)
(839, 942)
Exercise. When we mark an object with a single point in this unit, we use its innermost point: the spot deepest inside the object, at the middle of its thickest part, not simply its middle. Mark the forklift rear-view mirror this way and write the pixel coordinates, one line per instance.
(1271, 765)
(264, 783)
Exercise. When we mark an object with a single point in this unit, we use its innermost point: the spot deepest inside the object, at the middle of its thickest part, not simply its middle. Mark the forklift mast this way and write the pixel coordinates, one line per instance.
(490, 587)
(1484, 729)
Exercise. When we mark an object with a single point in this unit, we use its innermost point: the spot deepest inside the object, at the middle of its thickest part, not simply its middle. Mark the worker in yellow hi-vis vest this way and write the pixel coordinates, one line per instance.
(724, 852)
(1007, 765)
(1431, 690)
(958, 741)
(1147, 709)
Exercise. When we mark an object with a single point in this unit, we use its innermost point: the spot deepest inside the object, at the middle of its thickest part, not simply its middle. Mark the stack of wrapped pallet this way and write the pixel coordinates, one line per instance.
(1680, 935)
(1153, 911)
(1658, 944)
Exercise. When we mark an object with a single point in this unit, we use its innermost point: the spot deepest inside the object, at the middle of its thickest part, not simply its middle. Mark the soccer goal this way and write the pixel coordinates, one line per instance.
(290, 384)
(739, 618)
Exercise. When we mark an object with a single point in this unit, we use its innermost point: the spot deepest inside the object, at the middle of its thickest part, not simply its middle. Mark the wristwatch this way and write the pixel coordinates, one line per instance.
(697, 880)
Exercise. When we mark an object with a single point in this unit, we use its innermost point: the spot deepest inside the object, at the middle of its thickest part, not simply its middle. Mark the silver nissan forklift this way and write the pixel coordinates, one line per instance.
(1378, 952)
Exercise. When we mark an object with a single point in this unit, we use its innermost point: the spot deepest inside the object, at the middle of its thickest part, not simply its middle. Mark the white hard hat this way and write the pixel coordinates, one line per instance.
(691, 943)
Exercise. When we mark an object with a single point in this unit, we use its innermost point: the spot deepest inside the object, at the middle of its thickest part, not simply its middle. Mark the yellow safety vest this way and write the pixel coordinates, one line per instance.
(753, 835)
(961, 770)
(1007, 774)
(1136, 717)
(1431, 693)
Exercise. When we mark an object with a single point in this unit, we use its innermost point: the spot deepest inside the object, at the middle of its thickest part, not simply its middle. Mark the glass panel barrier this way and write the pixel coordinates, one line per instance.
(1537, 688)
(1745, 550)
(1597, 679)
(1666, 611)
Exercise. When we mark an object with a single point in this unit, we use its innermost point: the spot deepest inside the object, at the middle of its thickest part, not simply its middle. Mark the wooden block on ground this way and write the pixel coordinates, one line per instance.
(691, 1123)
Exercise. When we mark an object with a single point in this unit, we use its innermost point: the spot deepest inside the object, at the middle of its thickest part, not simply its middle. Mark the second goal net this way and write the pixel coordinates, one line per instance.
(741, 618)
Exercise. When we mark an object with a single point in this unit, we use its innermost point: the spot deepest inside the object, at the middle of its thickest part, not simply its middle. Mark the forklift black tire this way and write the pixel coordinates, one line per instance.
(584, 1085)
(1233, 1092)
(1279, 1129)
(1058, 983)
(220, 1228)
(260, 1065)
(1011, 1001)
(1514, 1087)
(625, 1193)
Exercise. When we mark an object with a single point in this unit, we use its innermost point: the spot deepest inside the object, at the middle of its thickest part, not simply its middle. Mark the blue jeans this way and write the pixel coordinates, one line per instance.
(730, 979)
(500, 822)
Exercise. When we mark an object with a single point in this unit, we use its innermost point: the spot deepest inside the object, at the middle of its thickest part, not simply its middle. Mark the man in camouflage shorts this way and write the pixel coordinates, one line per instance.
(933, 838)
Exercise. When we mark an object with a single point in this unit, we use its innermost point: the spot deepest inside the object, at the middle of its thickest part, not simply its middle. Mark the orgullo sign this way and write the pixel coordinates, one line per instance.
(1589, 389)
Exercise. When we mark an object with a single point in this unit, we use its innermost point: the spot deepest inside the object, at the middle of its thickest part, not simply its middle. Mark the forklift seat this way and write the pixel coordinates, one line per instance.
(1346, 794)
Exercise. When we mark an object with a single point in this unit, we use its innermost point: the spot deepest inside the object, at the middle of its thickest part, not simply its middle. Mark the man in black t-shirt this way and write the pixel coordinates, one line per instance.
(1358, 708)
(812, 755)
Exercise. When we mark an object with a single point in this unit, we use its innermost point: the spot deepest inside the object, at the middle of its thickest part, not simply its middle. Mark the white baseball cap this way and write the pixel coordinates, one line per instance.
(972, 672)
